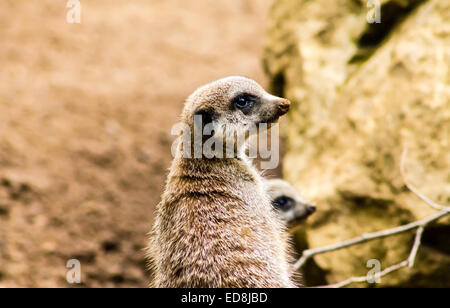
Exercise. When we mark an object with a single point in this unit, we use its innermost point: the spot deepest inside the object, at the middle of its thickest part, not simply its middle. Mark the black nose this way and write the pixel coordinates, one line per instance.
(311, 209)
(283, 106)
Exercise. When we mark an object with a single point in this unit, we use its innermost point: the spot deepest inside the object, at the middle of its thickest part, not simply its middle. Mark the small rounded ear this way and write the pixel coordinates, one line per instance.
(204, 116)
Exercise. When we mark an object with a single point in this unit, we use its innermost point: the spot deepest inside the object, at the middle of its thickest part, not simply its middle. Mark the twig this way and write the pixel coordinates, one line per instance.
(409, 262)
(351, 280)
(415, 248)
(414, 189)
(307, 254)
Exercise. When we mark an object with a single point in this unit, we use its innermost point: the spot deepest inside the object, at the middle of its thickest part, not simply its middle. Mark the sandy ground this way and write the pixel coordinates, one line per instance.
(85, 117)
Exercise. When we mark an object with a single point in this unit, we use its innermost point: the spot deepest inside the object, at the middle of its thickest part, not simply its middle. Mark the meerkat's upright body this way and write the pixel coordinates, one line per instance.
(215, 225)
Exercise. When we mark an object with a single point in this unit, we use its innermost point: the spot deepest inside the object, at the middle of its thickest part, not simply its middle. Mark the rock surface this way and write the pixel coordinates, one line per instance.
(361, 93)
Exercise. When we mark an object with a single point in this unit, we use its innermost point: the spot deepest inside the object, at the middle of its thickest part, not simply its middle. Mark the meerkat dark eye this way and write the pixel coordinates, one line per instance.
(244, 101)
(283, 203)
(204, 116)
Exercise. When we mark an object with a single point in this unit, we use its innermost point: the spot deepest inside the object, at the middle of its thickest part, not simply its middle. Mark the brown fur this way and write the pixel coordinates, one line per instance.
(215, 226)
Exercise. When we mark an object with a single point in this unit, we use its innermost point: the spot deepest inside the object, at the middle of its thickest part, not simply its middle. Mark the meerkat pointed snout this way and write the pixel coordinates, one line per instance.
(234, 97)
(215, 225)
(234, 104)
(288, 203)
(282, 105)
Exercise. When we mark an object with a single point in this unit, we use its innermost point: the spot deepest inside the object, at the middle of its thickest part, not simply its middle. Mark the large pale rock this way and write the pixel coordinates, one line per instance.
(361, 92)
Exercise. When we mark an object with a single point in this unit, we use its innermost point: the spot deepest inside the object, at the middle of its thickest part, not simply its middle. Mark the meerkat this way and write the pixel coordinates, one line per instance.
(215, 225)
(288, 203)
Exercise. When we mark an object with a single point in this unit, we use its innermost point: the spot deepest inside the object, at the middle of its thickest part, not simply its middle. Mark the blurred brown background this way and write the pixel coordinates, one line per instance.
(86, 111)
(85, 117)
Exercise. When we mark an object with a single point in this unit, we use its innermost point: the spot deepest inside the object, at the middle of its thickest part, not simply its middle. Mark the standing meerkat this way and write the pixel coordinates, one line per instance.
(215, 225)
(288, 203)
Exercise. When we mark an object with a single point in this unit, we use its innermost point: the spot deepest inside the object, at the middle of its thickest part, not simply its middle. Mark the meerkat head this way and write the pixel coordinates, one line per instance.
(291, 207)
(231, 108)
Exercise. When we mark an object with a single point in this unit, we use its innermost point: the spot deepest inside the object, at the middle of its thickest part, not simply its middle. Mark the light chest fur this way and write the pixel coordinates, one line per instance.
(219, 229)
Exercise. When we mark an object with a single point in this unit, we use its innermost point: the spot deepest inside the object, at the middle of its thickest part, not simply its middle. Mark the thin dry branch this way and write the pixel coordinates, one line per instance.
(408, 262)
(414, 189)
(307, 254)
(351, 280)
(415, 248)
(420, 225)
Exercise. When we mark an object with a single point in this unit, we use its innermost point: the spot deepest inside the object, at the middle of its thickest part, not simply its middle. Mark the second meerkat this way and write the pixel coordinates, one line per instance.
(215, 226)
(288, 203)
